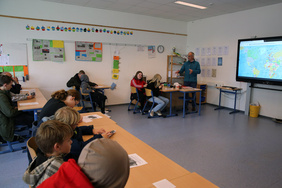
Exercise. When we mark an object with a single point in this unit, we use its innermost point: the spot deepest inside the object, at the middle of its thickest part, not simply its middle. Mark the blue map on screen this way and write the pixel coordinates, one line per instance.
(260, 59)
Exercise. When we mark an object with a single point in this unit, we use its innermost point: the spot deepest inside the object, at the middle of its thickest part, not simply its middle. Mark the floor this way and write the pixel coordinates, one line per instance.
(231, 151)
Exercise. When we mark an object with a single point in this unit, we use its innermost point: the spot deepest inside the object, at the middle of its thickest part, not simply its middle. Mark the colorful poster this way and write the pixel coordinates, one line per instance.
(48, 50)
(88, 51)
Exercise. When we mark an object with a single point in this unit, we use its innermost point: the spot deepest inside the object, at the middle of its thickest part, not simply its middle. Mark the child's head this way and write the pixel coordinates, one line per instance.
(68, 116)
(138, 75)
(6, 82)
(70, 97)
(105, 163)
(54, 138)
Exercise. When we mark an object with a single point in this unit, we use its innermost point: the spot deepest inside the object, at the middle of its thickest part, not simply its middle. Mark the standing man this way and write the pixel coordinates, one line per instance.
(75, 80)
(16, 87)
(192, 69)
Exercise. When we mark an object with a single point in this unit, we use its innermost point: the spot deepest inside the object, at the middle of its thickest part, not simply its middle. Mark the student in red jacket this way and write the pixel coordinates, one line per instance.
(140, 84)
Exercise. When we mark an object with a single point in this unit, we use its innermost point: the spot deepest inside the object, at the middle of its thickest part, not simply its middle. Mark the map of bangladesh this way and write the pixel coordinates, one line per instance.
(261, 62)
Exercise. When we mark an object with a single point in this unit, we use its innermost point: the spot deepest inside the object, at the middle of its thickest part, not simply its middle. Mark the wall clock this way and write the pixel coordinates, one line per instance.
(160, 48)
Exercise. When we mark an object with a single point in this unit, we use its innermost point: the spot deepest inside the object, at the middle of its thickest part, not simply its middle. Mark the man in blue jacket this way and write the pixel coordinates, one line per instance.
(192, 69)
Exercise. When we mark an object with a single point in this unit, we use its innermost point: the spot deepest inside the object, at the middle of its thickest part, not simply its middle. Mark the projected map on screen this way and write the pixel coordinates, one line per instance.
(260, 59)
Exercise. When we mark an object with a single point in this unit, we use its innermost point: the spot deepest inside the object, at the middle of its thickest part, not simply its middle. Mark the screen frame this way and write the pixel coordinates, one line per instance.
(252, 79)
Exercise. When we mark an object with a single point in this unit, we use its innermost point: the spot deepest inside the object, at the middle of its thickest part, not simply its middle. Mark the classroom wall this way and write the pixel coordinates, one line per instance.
(52, 76)
(225, 30)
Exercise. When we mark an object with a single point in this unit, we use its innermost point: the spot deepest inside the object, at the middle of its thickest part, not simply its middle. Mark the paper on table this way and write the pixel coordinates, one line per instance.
(29, 103)
(135, 160)
(87, 119)
(163, 184)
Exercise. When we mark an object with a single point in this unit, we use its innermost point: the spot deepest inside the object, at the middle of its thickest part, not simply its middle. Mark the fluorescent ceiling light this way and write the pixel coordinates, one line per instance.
(190, 5)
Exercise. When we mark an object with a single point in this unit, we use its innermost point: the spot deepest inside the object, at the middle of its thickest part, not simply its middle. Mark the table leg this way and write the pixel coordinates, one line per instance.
(234, 111)
(170, 106)
(184, 102)
(200, 101)
(219, 105)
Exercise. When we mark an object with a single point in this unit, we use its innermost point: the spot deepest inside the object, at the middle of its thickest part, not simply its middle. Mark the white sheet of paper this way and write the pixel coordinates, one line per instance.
(29, 103)
(164, 184)
(135, 160)
(87, 119)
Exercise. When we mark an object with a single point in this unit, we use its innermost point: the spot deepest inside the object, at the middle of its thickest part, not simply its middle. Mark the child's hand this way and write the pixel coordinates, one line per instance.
(107, 135)
(100, 131)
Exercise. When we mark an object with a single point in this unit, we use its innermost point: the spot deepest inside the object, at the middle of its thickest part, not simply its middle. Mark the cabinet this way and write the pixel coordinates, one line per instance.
(204, 92)
(174, 63)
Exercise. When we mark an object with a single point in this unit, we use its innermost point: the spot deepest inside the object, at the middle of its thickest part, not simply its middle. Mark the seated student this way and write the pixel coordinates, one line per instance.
(97, 97)
(138, 83)
(103, 161)
(71, 117)
(155, 86)
(53, 138)
(75, 80)
(9, 115)
(16, 87)
(59, 99)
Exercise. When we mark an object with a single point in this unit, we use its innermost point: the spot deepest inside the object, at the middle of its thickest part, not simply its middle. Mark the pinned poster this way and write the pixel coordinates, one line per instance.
(88, 51)
(115, 76)
(48, 50)
(115, 71)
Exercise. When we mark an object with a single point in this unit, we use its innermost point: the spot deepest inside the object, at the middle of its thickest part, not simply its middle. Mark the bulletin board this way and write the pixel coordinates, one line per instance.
(13, 59)
(88, 51)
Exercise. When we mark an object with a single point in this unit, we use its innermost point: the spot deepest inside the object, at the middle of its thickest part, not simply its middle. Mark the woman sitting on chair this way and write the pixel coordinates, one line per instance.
(155, 86)
(138, 83)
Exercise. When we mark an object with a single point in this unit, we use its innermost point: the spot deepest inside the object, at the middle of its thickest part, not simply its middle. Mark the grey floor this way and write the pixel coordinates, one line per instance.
(232, 151)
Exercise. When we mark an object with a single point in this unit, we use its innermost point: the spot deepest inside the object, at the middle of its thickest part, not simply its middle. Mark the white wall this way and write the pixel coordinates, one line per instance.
(225, 31)
(52, 76)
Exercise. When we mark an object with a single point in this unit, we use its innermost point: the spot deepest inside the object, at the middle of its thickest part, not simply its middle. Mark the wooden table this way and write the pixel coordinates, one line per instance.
(230, 90)
(102, 87)
(34, 104)
(159, 166)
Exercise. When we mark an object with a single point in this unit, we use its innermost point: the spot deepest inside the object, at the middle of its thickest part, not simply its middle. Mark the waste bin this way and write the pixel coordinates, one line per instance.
(254, 110)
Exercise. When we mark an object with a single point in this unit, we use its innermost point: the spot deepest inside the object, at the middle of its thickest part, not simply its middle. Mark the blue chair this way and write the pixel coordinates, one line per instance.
(21, 130)
(149, 94)
(83, 100)
(134, 96)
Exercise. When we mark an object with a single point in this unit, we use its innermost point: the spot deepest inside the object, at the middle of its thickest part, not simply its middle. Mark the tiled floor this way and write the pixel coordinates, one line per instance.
(232, 151)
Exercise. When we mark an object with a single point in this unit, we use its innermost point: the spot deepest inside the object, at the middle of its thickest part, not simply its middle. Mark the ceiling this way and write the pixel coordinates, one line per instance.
(169, 10)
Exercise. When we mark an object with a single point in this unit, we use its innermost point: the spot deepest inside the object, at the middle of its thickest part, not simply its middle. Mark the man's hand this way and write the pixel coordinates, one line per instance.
(190, 71)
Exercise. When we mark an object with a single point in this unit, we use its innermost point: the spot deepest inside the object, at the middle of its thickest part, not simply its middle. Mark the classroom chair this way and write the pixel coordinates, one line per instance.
(21, 130)
(32, 147)
(134, 96)
(83, 95)
(149, 94)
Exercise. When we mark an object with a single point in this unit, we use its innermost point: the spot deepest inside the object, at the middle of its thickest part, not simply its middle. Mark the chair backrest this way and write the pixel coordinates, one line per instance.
(133, 89)
(148, 92)
(83, 93)
(32, 147)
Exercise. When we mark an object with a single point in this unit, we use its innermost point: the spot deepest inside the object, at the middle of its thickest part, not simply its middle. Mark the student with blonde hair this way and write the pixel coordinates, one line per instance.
(155, 85)
(59, 99)
(71, 117)
(53, 139)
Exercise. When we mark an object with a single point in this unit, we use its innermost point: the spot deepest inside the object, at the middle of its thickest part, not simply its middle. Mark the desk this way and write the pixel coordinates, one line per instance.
(187, 91)
(228, 90)
(184, 91)
(102, 88)
(39, 99)
(170, 91)
(159, 166)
